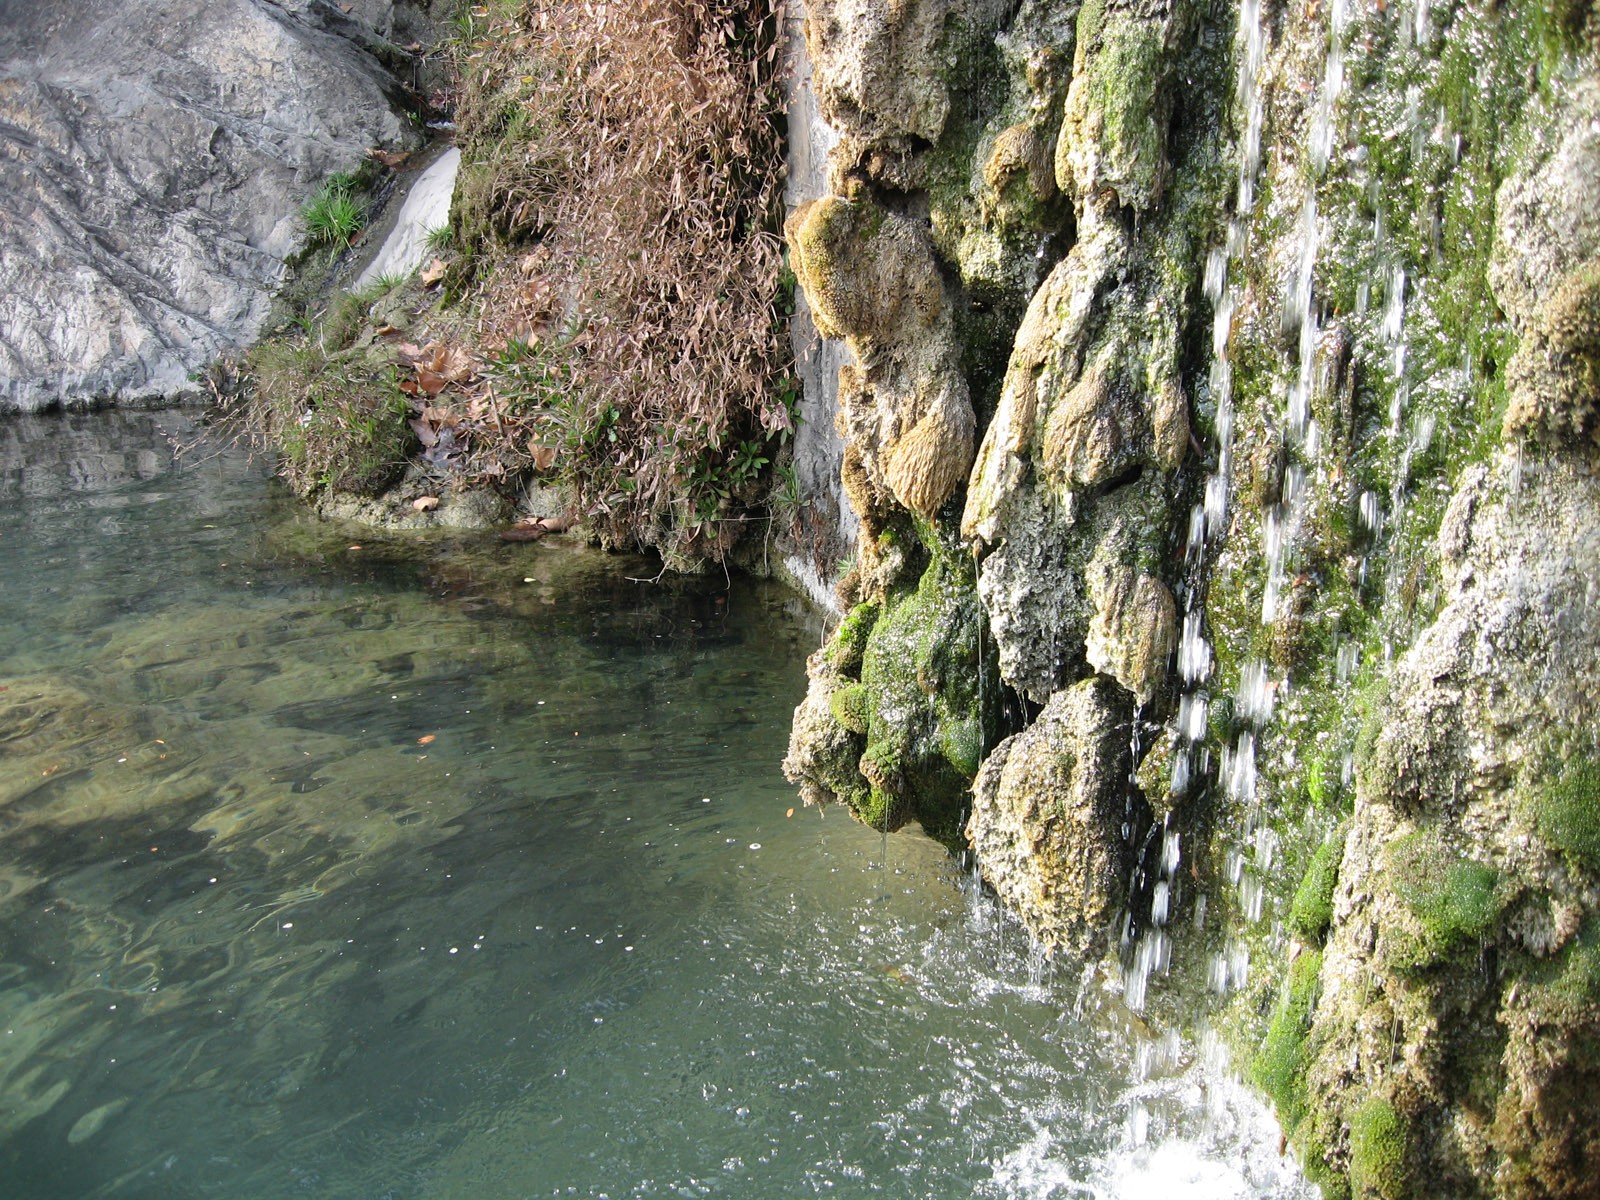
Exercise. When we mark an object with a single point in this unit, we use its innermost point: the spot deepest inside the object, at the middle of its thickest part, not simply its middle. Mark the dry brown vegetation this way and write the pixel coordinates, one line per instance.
(621, 194)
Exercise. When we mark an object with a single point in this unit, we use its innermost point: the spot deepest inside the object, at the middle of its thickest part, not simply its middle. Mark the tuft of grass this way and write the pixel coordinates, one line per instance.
(332, 217)
(441, 239)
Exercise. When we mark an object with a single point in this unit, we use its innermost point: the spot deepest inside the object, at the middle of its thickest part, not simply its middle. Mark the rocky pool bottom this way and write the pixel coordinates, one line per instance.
(335, 864)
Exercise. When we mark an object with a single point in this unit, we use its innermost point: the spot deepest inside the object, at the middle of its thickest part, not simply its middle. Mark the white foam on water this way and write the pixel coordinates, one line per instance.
(1195, 1134)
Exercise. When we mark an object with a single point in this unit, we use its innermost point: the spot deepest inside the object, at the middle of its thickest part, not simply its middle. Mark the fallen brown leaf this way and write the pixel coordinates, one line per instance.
(433, 272)
(426, 739)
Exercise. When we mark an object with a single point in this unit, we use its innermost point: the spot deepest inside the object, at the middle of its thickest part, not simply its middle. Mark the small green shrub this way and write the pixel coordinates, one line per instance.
(1312, 910)
(332, 217)
(1378, 1150)
(1567, 812)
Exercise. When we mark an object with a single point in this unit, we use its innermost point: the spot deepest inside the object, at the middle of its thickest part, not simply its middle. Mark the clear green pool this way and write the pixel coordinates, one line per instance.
(340, 865)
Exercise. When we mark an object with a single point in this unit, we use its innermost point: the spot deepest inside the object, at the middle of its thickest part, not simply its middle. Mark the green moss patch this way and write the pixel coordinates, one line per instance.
(850, 639)
(928, 716)
(340, 423)
(1378, 1150)
(1566, 811)
(1453, 898)
(1279, 1068)
(849, 707)
(1312, 910)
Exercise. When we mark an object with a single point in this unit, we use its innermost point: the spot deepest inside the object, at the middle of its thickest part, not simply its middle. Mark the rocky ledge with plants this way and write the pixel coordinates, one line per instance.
(601, 336)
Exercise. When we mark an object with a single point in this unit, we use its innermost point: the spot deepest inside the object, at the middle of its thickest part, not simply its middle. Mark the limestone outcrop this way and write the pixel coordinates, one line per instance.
(1278, 328)
(1049, 810)
(157, 157)
(1041, 213)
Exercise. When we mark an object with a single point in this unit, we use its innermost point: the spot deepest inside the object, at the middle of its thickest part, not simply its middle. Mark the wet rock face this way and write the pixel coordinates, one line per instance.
(158, 157)
(1470, 845)
(1293, 454)
(1002, 164)
(1053, 818)
(1461, 979)
(872, 279)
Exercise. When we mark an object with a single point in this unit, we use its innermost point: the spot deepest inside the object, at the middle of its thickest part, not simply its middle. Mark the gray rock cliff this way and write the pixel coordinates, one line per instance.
(156, 156)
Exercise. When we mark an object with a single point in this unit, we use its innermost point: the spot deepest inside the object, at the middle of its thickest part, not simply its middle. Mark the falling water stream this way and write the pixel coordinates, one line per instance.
(340, 865)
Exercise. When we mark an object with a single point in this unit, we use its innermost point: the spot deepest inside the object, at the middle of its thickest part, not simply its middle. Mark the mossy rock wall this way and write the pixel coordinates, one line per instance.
(1275, 327)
